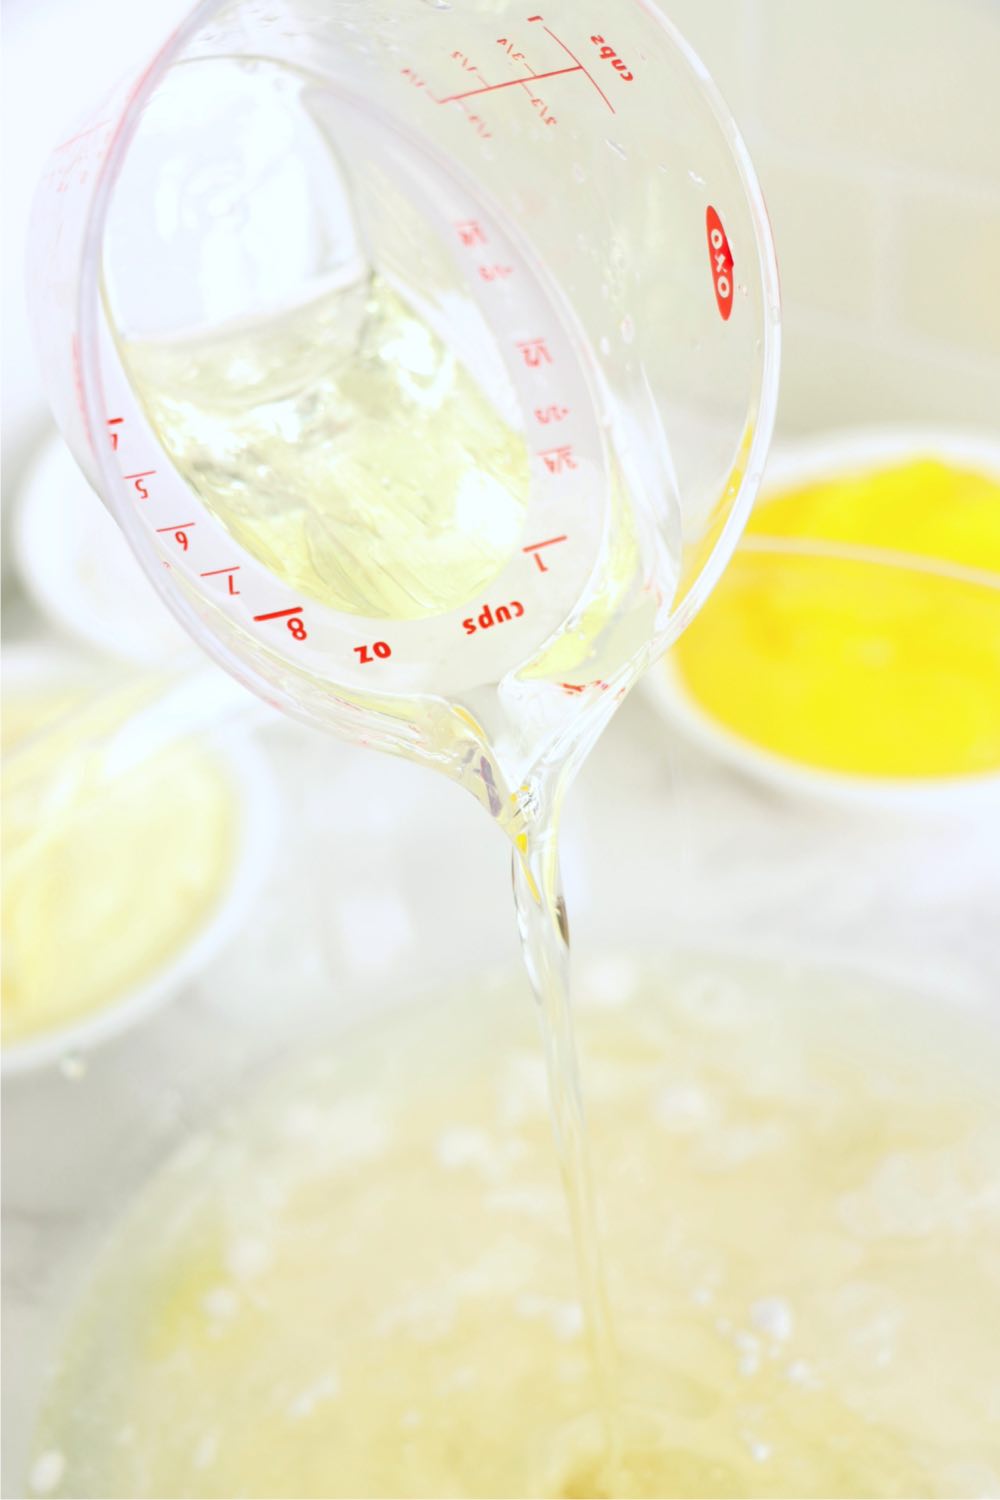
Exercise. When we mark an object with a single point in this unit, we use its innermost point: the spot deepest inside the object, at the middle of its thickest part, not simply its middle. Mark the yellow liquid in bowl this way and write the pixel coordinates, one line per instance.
(858, 628)
(362, 1283)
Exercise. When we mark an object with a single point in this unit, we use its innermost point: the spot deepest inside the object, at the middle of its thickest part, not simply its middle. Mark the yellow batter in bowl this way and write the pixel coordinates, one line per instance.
(857, 629)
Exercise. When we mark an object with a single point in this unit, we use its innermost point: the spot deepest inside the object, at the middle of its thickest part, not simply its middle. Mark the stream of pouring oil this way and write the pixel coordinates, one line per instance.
(316, 469)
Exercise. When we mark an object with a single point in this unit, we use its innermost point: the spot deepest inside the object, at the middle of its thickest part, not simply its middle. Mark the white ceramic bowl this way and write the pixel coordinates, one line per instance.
(790, 466)
(256, 821)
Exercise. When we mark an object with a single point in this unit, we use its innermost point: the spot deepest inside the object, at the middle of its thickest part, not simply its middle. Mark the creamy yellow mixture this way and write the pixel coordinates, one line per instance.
(361, 1283)
(105, 873)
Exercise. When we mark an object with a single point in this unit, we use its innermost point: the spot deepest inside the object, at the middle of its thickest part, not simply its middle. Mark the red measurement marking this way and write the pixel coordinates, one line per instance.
(479, 124)
(180, 531)
(546, 414)
(537, 102)
(536, 547)
(113, 422)
(510, 83)
(488, 617)
(610, 55)
(495, 273)
(721, 260)
(508, 47)
(137, 479)
(522, 57)
(279, 614)
(382, 650)
(471, 233)
(80, 135)
(558, 460)
(418, 82)
(290, 616)
(230, 582)
(579, 64)
(573, 687)
(535, 352)
(414, 78)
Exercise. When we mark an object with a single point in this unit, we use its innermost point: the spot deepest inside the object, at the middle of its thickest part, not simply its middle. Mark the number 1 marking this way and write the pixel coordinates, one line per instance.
(535, 548)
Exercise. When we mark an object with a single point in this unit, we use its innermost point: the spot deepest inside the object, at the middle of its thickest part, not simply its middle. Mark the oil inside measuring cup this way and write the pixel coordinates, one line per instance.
(406, 432)
(354, 456)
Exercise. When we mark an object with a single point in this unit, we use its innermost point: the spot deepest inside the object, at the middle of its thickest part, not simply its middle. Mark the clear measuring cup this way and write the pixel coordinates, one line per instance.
(426, 354)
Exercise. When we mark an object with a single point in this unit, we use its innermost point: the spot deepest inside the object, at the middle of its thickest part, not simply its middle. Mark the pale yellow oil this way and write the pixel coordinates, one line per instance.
(361, 1283)
(345, 445)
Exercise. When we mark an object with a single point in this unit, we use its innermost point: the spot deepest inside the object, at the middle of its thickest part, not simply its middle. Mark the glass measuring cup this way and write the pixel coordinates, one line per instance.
(561, 232)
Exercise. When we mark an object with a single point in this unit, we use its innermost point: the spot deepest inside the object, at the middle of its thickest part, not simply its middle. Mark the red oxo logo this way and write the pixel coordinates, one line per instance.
(721, 260)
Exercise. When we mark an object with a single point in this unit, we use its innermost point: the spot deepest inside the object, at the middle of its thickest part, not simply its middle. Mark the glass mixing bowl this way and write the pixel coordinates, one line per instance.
(387, 888)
